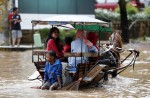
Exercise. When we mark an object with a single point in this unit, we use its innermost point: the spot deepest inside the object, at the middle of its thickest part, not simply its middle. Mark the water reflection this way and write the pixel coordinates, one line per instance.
(16, 67)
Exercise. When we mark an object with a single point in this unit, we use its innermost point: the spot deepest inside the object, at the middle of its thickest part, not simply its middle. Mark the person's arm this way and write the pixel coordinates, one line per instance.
(93, 49)
(65, 49)
(19, 20)
(59, 74)
(52, 46)
(59, 82)
(45, 72)
(11, 18)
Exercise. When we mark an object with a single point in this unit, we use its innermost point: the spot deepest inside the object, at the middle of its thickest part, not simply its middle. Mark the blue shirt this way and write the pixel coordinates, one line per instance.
(76, 47)
(52, 71)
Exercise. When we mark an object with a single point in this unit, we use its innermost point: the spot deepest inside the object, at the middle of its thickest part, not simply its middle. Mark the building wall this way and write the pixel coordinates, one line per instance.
(56, 6)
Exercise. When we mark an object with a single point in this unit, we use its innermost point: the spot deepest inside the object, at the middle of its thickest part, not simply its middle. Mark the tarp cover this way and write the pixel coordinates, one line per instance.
(77, 21)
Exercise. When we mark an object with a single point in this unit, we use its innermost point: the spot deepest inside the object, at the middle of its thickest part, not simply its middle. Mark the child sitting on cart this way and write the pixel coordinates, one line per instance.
(52, 72)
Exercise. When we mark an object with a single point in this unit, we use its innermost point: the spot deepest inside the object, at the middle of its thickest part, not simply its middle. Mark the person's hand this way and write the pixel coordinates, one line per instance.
(15, 22)
(15, 19)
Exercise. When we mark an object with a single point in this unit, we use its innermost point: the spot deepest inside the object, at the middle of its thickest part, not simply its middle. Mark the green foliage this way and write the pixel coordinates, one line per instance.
(131, 10)
(147, 10)
(43, 33)
(106, 15)
(67, 33)
(138, 16)
(117, 10)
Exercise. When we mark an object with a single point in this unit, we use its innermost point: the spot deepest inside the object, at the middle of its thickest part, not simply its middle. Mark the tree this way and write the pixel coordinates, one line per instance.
(124, 21)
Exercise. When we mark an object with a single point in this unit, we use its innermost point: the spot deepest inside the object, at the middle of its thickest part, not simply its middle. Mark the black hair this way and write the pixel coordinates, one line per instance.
(14, 9)
(52, 30)
(52, 53)
(49, 36)
(68, 40)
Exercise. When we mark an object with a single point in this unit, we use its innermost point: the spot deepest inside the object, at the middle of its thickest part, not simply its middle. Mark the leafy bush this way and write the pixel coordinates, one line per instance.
(63, 34)
(147, 10)
(131, 10)
(148, 16)
(117, 10)
(138, 16)
(106, 15)
(132, 13)
(67, 33)
(43, 33)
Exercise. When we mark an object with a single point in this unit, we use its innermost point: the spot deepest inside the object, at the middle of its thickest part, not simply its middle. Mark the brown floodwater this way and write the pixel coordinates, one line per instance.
(16, 67)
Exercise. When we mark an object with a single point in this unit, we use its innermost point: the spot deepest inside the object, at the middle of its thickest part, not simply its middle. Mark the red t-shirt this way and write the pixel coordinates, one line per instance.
(51, 45)
(9, 18)
(67, 48)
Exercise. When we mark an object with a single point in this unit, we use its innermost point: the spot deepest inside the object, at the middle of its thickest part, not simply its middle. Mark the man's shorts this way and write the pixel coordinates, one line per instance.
(16, 34)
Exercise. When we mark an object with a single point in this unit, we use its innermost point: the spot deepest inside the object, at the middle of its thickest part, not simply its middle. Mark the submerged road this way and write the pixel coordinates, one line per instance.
(16, 67)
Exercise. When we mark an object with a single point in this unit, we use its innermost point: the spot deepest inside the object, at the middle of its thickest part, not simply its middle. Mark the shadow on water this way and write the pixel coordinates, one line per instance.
(16, 67)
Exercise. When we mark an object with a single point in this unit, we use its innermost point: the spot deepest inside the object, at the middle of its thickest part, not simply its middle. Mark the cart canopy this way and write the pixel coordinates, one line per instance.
(77, 21)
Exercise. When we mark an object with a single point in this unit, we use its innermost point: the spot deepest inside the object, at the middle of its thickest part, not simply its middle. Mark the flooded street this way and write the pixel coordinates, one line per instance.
(16, 67)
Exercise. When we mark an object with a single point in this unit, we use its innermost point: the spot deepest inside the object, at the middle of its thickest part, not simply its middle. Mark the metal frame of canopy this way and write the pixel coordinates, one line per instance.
(77, 21)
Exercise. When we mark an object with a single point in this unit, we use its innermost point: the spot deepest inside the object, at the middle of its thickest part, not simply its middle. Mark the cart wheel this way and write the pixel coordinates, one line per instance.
(114, 74)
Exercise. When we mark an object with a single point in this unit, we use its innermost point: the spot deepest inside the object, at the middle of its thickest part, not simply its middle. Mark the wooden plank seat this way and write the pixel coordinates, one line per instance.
(83, 68)
(69, 54)
(39, 52)
(87, 54)
(93, 73)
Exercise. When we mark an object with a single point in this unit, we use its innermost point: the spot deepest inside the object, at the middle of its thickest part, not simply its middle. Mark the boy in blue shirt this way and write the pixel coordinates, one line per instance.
(52, 72)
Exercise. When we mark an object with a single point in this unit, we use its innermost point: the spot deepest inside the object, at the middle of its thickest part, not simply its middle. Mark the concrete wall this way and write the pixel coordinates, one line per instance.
(26, 37)
(139, 29)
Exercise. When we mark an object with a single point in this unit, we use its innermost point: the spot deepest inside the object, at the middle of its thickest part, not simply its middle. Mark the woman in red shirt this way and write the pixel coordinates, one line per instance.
(53, 42)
